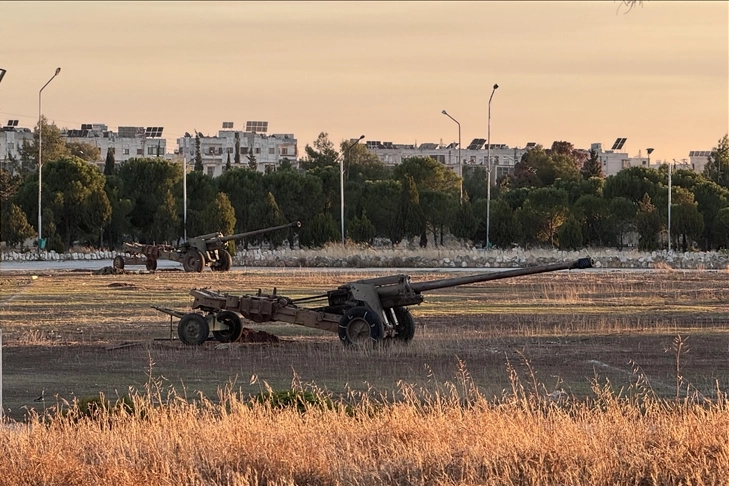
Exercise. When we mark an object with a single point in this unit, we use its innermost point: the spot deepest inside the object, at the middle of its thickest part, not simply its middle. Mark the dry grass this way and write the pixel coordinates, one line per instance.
(654, 344)
(415, 437)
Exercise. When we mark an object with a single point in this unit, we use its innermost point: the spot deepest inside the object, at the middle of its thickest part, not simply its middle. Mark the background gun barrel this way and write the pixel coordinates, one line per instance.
(260, 231)
(483, 277)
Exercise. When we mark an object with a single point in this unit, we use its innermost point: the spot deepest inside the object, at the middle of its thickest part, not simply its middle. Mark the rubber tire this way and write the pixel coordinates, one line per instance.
(223, 263)
(193, 329)
(225, 260)
(193, 261)
(151, 264)
(353, 325)
(236, 327)
(118, 262)
(405, 329)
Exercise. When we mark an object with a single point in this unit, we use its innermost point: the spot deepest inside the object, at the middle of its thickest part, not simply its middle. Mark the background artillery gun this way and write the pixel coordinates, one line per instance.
(196, 253)
(360, 312)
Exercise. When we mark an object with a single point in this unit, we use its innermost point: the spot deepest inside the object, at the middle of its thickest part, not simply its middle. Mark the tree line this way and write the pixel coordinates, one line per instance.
(555, 198)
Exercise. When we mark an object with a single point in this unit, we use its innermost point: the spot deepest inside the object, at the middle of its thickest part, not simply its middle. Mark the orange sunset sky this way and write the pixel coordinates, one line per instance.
(577, 71)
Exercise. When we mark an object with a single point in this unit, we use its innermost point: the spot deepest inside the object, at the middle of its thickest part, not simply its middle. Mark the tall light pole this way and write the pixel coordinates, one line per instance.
(669, 207)
(341, 180)
(460, 161)
(40, 159)
(488, 190)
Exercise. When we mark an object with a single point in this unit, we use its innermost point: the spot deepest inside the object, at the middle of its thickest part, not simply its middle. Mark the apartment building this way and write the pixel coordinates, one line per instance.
(267, 150)
(127, 142)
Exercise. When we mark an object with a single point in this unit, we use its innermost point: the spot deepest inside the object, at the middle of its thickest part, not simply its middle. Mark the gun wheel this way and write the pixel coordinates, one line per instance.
(224, 262)
(151, 264)
(193, 329)
(193, 261)
(359, 326)
(118, 262)
(405, 328)
(235, 328)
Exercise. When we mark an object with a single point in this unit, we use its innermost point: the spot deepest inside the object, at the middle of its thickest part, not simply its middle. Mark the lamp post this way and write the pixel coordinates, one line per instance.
(669, 207)
(460, 161)
(341, 180)
(488, 189)
(40, 159)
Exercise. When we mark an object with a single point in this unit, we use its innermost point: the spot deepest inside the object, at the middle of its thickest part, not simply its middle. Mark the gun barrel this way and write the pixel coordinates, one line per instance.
(260, 231)
(483, 277)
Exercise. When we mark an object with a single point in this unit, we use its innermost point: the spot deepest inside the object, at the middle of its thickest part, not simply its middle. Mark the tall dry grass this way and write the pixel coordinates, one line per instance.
(414, 437)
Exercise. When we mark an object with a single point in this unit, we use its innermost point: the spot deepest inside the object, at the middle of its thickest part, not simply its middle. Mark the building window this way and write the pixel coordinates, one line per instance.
(243, 150)
(258, 150)
(140, 151)
(230, 150)
(151, 150)
(284, 151)
(271, 151)
(212, 151)
(220, 150)
(211, 170)
(125, 151)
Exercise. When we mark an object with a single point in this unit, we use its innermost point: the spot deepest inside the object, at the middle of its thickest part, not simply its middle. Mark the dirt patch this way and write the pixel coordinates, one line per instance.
(252, 336)
(123, 285)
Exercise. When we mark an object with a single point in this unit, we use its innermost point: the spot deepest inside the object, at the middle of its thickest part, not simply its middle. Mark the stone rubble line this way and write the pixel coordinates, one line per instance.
(433, 258)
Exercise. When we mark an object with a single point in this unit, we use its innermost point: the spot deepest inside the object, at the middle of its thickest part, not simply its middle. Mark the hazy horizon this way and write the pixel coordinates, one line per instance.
(577, 71)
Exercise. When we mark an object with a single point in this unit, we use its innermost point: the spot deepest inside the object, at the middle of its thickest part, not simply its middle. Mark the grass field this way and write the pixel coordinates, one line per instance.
(562, 378)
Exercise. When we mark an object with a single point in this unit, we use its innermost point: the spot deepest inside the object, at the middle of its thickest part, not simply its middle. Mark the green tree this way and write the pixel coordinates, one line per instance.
(592, 166)
(465, 224)
(439, 210)
(711, 198)
(54, 147)
(428, 174)
(570, 235)
(252, 161)
(721, 228)
(622, 218)
(546, 210)
(632, 183)
(15, 226)
(201, 191)
(410, 216)
(227, 163)
(73, 192)
(361, 230)
(237, 148)
(717, 166)
(361, 165)
(649, 224)
(593, 213)
(219, 215)
(82, 150)
(119, 225)
(148, 184)
(198, 156)
(244, 189)
(505, 226)
(109, 166)
(322, 154)
(268, 214)
(321, 230)
(165, 222)
(381, 201)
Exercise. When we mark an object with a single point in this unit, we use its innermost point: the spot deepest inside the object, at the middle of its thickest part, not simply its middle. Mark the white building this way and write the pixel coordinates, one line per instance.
(127, 143)
(11, 140)
(268, 150)
(476, 153)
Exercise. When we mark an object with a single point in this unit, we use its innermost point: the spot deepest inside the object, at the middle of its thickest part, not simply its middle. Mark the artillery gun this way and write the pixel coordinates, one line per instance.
(362, 311)
(196, 253)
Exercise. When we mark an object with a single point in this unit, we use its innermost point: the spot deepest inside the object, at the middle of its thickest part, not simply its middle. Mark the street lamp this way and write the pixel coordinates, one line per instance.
(669, 207)
(40, 160)
(341, 180)
(460, 161)
(488, 190)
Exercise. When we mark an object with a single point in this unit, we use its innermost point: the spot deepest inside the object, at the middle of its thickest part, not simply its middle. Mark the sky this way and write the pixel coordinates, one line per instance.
(578, 71)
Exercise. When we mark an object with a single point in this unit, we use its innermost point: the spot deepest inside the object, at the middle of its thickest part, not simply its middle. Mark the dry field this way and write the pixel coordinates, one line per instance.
(580, 377)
